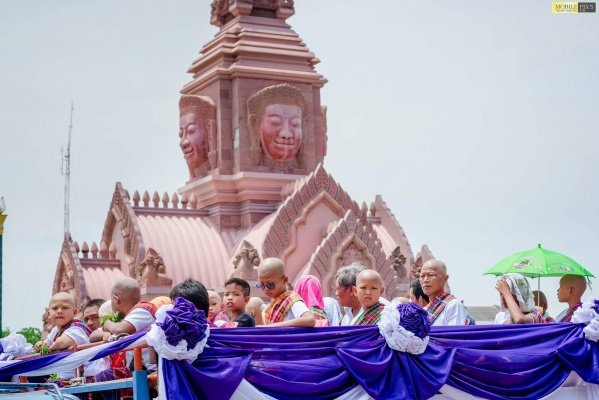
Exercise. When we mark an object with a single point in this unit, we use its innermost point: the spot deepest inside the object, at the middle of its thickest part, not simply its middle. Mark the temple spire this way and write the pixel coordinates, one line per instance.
(224, 11)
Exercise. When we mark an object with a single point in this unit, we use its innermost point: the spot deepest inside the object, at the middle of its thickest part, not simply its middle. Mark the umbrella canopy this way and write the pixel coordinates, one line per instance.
(538, 262)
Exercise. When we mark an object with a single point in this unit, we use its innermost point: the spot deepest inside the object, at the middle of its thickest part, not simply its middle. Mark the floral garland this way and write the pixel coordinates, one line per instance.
(180, 331)
(588, 314)
(405, 327)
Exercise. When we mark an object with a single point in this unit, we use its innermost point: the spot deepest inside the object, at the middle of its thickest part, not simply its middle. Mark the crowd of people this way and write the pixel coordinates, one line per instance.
(359, 300)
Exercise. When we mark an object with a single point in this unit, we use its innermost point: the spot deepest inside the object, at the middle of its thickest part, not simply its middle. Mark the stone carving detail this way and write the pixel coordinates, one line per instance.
(398, 262)
(67, 282)
(351, 240)
(47, 325)
(197, 131)
(151, 271)
(224, 10)
(415, 274)
(351, 254)
(246, 262)
(69, 274)
(123, 213)
(325, 137)
(423, 256)
(277, 122)
(278, 237)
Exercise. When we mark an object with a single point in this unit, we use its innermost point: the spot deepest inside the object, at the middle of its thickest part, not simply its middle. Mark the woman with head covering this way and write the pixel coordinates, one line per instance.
(308, 287)
(517, 302)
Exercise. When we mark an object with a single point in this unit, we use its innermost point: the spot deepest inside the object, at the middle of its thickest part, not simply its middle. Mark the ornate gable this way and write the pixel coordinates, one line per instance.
(122, 213)
(351, 240)
(69, 273)
(303, 195)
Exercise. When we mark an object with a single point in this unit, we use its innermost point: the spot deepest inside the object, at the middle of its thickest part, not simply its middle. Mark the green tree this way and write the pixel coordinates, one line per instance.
(32, 335)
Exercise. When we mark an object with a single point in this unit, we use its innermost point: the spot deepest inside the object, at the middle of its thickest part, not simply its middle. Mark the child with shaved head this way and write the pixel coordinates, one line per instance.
(369, 289)
(286, 308)
(67, 330)
(571, 288)
(217, 317)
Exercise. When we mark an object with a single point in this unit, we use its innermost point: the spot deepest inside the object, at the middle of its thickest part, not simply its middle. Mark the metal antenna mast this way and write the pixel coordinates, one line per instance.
(66, 172)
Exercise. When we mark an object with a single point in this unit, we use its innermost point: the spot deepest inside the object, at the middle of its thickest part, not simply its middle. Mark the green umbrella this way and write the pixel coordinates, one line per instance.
(539, 262)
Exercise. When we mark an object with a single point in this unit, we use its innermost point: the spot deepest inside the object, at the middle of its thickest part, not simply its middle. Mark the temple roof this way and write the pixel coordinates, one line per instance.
(191, 246)
(316, 229)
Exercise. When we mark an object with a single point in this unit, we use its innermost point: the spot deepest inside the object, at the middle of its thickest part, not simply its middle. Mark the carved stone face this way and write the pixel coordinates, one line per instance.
(281, 131)
(194, 141)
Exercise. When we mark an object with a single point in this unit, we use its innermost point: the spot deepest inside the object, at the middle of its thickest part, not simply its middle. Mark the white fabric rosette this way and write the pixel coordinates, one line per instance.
(587, 314)
(176, 326)
(409, 335)
(14, 345)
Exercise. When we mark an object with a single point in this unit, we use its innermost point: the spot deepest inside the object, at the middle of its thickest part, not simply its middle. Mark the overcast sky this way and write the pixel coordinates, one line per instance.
(476, 121)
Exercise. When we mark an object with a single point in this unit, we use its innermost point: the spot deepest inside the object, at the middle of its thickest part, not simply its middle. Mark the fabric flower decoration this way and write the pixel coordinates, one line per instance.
(183, 322)
(588, 314)
(414, 319)
(180, 331)
(405, 327)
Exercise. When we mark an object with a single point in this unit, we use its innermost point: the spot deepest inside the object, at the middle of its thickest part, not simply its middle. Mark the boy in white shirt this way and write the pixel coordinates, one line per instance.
(67, 330)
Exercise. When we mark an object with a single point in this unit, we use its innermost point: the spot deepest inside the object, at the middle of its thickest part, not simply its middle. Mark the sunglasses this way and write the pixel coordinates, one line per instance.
(269, 286)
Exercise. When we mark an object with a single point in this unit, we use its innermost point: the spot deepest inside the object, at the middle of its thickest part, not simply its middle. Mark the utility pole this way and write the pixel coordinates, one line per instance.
(2, 218)
(66, 172)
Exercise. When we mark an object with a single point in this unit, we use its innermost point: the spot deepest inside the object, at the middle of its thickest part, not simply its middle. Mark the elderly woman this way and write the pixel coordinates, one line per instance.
(308, 287)
(516, 301)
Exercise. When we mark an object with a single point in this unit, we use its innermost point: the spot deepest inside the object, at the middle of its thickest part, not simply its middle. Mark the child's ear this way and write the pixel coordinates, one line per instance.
(382, 290)
(75, 312)
(253, 313)
(222, 306)
(354, 291)
(246, 300)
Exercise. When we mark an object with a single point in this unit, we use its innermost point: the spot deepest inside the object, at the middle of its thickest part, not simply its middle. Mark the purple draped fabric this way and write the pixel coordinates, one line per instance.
(317, 363)
(31, 364)
(119, 345)
(495, 362)
(214, 375)
(517, 361)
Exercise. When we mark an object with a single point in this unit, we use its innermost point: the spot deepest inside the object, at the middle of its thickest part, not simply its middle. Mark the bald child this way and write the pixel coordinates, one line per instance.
(369, 289)
(67, 331)
(286, 308)
(571, 288)
(254, 308)
(217, 317)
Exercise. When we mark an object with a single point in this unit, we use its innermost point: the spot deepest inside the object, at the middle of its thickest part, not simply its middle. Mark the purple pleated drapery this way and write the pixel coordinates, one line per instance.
(495, 362)
(36, 363)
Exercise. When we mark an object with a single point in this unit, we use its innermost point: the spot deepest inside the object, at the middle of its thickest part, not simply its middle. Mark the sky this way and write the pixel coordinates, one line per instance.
(476, 121)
